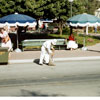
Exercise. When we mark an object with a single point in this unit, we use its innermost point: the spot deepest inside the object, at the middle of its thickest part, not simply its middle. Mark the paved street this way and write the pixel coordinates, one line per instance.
(68, 78)
(25, 24)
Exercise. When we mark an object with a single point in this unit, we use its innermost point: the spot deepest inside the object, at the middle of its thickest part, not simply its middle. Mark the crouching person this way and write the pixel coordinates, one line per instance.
(47, 52)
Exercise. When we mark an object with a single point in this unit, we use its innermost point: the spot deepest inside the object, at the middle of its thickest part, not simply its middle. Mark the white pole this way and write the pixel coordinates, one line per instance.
(86, 30)
(84, 40)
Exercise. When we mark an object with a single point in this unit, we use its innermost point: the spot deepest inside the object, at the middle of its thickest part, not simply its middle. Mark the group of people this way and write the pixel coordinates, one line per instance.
(5, 39)
(47, 50)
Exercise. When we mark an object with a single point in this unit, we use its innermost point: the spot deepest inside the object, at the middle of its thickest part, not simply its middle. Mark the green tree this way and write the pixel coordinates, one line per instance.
(56, 9)
(88, 6)
(52, 9)
(6, 7)
(35, 8)
(93, 5)
(20, 6)
(60, 9)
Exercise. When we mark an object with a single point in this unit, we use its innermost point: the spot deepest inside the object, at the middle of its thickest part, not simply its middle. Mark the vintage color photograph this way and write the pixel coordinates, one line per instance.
(49, 48)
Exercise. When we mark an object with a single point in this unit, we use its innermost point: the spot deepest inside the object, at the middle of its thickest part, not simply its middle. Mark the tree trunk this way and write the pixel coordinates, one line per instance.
(71, 30)
(37, 26)
(60, 29)
(60, 25)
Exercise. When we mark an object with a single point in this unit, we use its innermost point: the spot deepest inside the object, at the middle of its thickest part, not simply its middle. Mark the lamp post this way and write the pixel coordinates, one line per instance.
(71, 1)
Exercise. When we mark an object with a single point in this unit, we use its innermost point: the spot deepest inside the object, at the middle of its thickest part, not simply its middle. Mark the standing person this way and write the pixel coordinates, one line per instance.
(47, 52)
(72, 43)
(5, 39)
(95, 29)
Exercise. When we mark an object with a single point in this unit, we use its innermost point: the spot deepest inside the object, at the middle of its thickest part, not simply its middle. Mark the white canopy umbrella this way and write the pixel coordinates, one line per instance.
(84, 20)
(17, 20)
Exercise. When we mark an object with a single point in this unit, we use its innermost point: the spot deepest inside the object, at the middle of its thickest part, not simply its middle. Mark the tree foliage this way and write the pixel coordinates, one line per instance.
(92, 6)
(51, 9)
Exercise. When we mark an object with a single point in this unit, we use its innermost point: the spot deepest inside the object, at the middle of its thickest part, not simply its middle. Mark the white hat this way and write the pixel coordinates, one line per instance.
(54, 41)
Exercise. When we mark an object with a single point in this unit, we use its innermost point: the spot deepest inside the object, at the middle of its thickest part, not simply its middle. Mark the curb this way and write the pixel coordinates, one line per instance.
(56, 59)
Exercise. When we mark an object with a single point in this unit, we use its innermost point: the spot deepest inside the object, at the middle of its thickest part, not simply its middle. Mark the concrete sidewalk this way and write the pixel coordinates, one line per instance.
(93, 52)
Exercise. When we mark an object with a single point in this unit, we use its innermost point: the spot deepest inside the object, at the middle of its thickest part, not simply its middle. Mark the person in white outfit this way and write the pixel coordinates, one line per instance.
(46, 51)
(5, 39)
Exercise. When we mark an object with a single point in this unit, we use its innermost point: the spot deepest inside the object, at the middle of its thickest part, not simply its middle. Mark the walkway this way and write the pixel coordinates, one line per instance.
(29, 56)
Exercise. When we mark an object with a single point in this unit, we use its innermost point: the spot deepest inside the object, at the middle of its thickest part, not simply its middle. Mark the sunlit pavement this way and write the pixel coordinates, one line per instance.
(67, 78)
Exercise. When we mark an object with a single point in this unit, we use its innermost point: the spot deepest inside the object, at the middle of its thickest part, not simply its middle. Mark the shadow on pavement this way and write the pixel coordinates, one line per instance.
(3, 63)
(94, 50)
(36, 61)
(36, 94)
